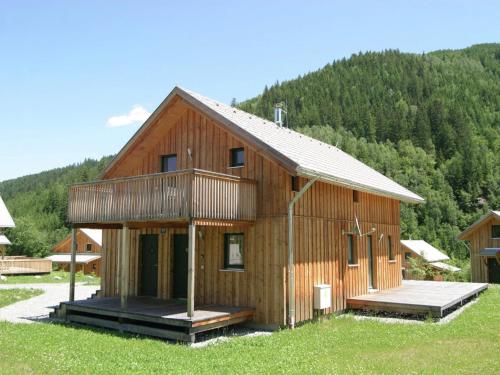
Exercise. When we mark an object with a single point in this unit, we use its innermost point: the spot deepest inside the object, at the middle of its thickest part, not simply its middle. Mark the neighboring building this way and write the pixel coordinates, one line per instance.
(220, 207)
(420, 248)
(5, 222)
(483, 237)
(88, 257)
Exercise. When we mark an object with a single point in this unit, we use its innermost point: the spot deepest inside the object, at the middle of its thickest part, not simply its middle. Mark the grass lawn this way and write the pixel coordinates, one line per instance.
(8, 296)
(470, 344)
(53, 277)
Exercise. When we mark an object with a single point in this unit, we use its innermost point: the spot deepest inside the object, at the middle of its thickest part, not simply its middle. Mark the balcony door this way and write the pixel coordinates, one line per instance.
(180, 265)
(148, 265)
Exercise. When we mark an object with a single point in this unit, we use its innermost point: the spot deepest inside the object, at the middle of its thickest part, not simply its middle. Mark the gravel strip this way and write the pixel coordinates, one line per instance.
(38, 308)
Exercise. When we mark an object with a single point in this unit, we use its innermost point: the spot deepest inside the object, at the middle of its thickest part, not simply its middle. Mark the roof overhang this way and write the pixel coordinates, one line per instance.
(349, 184)
(80, 258)
(4, 240)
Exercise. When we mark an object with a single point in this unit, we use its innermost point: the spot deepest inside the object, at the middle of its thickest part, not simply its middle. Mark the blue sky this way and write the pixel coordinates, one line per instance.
(67, 67)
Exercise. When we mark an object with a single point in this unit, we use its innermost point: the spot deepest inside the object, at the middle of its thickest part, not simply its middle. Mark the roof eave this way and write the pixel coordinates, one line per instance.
(304, 172)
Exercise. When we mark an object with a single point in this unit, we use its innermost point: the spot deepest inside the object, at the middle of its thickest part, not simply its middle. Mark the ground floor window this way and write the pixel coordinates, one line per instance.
(351, 250)
(233, 250)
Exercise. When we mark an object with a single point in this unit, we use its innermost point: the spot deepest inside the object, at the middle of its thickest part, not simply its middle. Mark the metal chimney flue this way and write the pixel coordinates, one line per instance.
(278, 114)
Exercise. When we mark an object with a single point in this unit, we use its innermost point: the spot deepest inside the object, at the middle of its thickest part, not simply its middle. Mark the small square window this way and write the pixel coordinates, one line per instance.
(351, 249)
(169, 163)
(407, 255)
(88, 248)
(295, 183)
(390, 251)
(237, 157)
(495, 231)
(355, 196)
(233, 250)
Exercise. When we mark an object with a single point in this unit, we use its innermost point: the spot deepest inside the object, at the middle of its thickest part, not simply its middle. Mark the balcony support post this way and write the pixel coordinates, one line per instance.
(191, 268)
(72, 265)
(124, 266)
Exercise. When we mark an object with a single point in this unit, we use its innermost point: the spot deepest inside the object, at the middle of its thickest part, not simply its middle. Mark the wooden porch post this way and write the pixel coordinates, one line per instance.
(191, 265)
(124, 266)
(72, 266)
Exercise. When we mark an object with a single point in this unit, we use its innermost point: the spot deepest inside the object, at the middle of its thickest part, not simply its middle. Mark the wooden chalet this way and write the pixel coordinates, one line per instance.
(88, 252)
(212, 216)
(483, 237)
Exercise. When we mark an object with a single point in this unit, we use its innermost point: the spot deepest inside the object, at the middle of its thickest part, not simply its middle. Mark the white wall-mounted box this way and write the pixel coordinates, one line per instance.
(322, 296)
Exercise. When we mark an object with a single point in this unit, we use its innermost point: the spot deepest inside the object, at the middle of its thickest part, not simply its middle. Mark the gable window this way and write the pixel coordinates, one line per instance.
(351, 250)
(88, 248)
(169, 163)
(355, 196)
(495, 231)
(390, 251)
(295, 183)
(233, 251)
(237, 157)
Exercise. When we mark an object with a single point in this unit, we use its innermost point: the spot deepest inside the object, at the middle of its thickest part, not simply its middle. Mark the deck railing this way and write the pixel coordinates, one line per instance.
(168, 196)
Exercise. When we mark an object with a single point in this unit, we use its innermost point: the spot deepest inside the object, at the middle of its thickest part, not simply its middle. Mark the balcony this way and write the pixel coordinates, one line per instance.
(179, 196)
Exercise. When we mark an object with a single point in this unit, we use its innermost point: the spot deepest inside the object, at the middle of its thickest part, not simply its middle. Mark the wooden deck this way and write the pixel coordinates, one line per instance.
(418, 297)
(154, 317)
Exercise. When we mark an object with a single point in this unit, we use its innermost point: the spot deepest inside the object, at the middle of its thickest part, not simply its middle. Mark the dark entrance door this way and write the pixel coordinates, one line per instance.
(180, 265)
(370, 261)
(148, 265)
(493, 271)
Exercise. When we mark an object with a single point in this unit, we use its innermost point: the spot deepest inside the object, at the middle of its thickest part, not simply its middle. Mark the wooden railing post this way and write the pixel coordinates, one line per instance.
(72, 266)
(191, 268)
(124, 265)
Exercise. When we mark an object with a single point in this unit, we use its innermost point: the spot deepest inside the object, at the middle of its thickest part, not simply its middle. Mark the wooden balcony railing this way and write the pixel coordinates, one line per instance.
(181, 195)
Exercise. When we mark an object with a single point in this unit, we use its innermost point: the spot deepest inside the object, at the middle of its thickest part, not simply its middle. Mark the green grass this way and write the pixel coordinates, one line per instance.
(8, 296)
(52, 277)
(470, 344)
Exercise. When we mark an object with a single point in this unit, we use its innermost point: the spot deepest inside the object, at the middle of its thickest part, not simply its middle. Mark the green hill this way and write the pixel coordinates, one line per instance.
(429, 121)
(39, 203)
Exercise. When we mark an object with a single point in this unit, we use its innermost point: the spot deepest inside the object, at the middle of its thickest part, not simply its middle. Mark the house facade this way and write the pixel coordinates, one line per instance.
(215, 205)
(88, 252)
(483, 238)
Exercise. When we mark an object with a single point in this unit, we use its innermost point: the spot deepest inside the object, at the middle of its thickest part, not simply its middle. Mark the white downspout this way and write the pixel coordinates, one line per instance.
(291, 264)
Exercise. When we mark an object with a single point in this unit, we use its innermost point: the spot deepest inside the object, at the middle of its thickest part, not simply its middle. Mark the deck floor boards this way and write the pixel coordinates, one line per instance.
(416, 296)
(166, 314)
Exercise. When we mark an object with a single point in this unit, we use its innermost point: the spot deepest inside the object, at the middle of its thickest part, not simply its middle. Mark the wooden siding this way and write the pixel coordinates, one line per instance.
(479, 239)
(320, 216)
(260, 285)
(82, 240)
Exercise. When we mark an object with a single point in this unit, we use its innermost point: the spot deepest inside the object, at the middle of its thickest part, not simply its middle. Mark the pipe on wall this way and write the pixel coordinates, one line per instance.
(291, 264)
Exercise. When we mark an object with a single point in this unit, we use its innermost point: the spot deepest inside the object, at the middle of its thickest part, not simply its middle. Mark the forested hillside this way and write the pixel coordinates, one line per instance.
(430, 121)
(39, 202)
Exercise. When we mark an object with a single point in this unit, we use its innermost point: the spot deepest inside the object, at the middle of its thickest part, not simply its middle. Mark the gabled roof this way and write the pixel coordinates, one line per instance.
(5, 218)
(301, 154)
(425, 250)
(94, 234)
(477, 223)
